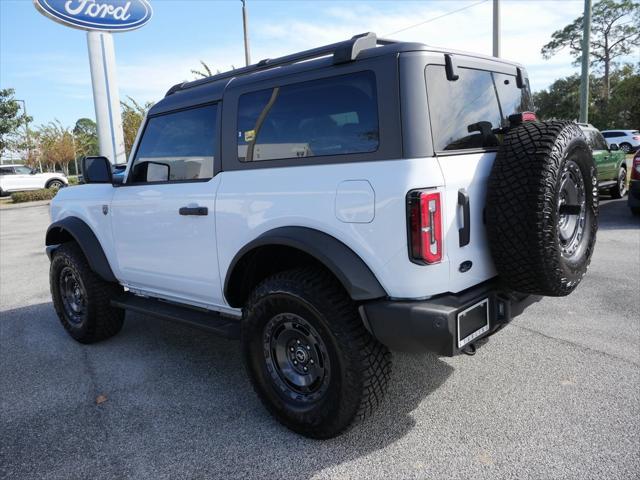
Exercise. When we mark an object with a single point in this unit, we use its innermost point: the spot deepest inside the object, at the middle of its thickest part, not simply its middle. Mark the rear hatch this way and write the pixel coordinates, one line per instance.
(468, 116)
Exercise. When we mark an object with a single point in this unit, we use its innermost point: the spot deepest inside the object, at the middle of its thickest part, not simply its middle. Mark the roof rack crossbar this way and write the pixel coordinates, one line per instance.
(343, 52)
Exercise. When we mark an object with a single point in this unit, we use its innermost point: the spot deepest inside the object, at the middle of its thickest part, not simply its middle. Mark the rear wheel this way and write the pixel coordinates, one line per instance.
(311, 361)
(625, 147)
(81, 298)
(620, 190)
(55, 184)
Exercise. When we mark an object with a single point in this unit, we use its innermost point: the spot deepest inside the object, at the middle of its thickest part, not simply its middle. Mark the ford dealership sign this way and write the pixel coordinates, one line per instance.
(103, 15)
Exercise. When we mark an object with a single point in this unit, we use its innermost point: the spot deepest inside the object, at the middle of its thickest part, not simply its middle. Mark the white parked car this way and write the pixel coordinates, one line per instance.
(627, 140)
(17, 178)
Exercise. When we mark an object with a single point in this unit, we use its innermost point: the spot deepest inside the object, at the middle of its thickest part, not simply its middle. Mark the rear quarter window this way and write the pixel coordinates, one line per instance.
(329, 116)
(470, 112)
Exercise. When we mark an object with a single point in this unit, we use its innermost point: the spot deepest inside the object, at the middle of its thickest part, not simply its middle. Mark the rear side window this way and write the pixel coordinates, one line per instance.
(177, 146)
(470, 112)
(329, 116)
(6, 171)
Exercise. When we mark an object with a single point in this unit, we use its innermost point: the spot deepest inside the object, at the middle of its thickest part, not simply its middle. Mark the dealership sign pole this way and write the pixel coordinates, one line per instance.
(100, 18)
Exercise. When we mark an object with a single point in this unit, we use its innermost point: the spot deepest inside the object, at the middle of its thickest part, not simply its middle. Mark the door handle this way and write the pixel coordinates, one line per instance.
(464, 233)
(198, 211)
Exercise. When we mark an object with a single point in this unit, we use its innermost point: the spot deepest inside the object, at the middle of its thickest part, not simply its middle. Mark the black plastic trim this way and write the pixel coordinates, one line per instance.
(86, 239)
(464, 233)
(431, 325)
(451, 67)
(195, 317)
(352, 272)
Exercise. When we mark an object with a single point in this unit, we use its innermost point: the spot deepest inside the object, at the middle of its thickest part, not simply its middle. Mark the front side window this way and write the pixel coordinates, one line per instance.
(329, 116)
(177, 146)
(470, 113)
(608, 134)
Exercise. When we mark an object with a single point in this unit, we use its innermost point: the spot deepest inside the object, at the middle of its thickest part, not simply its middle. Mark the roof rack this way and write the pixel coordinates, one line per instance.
(343, 52)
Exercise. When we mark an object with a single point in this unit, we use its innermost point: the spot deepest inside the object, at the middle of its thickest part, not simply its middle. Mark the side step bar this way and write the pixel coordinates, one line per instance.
(208, 320)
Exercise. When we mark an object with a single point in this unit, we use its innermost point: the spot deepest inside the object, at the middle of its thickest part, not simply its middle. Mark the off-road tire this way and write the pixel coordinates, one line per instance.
(99, 320)
(620, 190)
(360, 365)
(526, 189)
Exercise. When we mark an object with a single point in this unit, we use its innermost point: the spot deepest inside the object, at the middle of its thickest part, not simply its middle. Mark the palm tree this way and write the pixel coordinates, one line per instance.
(206, 71)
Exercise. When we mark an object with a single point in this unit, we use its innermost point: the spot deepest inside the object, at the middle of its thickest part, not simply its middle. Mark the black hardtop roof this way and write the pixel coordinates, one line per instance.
(359, 47)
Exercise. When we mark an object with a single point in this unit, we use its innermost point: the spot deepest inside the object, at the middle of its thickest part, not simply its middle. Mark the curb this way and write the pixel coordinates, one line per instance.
(15, 206)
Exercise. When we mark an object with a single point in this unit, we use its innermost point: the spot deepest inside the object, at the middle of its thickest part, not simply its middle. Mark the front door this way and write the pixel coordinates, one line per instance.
(25, 180)
(163, 216)
(605, 159)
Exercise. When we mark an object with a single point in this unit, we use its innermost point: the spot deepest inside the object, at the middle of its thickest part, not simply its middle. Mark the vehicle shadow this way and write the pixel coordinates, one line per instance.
(166, 400)
(614, 214)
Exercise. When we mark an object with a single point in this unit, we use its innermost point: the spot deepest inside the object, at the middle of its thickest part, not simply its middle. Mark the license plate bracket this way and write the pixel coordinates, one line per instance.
(473, 322)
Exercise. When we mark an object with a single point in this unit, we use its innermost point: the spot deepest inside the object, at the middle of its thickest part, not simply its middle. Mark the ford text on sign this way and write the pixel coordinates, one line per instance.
(105, 15)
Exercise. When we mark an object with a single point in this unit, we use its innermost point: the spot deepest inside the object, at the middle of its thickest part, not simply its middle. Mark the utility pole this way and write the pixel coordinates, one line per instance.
(584, 82)
(245, 26)
(496, 28)
(75, 154)
(28, 133)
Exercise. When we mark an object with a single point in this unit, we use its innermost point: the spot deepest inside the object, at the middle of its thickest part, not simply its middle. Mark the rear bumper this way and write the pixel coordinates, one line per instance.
(431, 325)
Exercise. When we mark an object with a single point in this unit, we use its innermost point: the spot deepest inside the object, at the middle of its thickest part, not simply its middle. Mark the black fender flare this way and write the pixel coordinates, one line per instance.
(352, 272)
(59, 232)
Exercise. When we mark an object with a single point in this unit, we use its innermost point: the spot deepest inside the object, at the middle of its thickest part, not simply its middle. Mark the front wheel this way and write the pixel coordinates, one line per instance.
(310, 359)
(81, 298)
(620, 190)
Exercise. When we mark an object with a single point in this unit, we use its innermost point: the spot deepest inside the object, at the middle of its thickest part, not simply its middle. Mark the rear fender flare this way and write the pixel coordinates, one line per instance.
(345, 264)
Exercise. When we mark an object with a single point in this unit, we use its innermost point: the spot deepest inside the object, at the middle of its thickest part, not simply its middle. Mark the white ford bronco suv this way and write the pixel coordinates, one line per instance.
(327, 207)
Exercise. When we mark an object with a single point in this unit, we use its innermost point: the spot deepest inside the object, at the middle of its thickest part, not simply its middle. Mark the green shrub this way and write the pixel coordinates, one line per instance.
(73, 179)
(34, 195)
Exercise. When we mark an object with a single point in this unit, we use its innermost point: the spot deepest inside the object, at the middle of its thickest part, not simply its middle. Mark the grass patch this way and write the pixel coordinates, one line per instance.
(33, 195)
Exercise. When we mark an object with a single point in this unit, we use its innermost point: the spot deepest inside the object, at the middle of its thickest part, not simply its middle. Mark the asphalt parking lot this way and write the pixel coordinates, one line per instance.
(555, 395)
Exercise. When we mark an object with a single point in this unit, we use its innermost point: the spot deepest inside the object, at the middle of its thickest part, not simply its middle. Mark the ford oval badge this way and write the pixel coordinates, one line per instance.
(465, 266)
(103, 15)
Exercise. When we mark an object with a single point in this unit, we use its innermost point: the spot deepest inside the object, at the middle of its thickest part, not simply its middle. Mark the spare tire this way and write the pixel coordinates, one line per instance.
(542, 208)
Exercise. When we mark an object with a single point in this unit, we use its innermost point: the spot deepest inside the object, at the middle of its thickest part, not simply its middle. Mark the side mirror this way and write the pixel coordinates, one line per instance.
(613, 147)
(96, 170)
(33, 171)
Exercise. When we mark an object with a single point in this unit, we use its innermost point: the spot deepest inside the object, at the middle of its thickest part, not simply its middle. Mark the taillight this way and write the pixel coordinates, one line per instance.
(425, 226)
(635, 171)
(518, 118)
(636, 137)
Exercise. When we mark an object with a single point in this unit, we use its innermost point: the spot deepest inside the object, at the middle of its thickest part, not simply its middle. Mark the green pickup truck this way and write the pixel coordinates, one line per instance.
(610, 160)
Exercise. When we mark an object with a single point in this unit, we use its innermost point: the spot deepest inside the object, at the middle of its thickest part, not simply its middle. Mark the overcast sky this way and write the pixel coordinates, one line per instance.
(48, 66)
